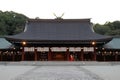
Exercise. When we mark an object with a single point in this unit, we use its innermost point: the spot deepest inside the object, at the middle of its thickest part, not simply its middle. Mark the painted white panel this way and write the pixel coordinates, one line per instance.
(42, 49)
(73, 49)
(59, 49)
(29, 49)
(88, 49)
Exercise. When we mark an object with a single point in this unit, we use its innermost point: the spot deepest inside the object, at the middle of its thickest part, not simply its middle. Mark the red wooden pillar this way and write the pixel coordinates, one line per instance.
(23, 53)
(94, 54)
(35, 52)
(49, 55)
(82, 55)
(68, 54)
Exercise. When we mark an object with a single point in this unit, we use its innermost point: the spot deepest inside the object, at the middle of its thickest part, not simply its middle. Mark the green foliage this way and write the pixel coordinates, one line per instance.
(101, 29)
(109, 28)
(11, 23)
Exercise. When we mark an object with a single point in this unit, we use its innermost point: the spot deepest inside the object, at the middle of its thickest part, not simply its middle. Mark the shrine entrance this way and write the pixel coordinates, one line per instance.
(58, 56)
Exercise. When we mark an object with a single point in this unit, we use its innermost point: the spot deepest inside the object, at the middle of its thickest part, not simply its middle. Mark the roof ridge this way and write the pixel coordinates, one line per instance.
(81, 20)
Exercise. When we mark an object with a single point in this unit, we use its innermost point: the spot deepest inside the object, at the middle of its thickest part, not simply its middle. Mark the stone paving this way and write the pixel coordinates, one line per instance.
(58, 73)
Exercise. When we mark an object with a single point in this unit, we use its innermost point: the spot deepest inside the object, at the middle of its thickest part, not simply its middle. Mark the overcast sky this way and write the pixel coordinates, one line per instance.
(99, 11)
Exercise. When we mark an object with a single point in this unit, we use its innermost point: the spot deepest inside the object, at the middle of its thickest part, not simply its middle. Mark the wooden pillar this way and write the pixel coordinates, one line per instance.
(1, 56)
(49, 55)
(116, 57)
(68, 54)
(104, 57)
(94, 54)
(82, 55)
(103, 54)
(13, 56)
(35, 53)
(23, 53)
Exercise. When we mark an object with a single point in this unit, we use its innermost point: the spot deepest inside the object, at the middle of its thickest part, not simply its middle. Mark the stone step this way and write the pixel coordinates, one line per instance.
(60, 63)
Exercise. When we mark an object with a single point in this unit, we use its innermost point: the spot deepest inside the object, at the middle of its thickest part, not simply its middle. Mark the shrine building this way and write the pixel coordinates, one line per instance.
(58, 40)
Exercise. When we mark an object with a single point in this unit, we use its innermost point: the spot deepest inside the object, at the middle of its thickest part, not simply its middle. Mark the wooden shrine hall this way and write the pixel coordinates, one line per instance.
(58, 40)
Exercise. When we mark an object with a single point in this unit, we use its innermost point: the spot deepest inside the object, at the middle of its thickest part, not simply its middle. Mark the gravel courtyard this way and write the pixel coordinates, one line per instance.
(59, 71)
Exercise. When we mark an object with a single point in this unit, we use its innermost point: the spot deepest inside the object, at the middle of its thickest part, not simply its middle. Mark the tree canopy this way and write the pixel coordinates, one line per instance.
(109, 28)
(11, 22)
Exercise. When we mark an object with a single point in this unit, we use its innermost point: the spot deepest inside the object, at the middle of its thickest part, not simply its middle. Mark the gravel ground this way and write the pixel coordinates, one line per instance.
(58, 73)
(59, 70)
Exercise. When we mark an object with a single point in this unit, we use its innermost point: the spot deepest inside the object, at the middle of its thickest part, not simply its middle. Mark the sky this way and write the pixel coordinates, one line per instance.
(100, 11)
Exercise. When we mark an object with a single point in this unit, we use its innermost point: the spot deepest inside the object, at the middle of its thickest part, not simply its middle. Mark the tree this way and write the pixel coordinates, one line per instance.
(101, 29)
(11, 22)
(109, 28)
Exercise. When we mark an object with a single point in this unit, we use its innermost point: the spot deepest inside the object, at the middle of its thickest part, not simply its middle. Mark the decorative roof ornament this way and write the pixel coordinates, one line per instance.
(58, 17)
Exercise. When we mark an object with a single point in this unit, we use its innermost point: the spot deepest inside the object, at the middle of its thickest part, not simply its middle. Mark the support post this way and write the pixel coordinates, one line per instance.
(13, 57)
(104, 55)
(68, 54)
(49, 54)
(94, 54)
(23, 54)
(82, 55)
(116, 57)
(94, 58)
(35, 52)
(1, 56)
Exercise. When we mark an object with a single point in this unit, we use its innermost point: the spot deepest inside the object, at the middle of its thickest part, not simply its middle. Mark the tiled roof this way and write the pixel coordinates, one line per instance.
(113, 44)
(58, 30)
(4, 43)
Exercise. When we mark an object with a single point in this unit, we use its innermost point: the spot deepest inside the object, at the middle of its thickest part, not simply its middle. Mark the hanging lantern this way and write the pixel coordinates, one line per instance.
(116, 52)
(23, 43)
(93, 43)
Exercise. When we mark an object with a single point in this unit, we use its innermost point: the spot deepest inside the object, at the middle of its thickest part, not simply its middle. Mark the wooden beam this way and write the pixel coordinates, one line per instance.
(82, 55)
(116, 57)
(49, 55)
(23, 54)
(68, 54)
(94, 54)
(35, 53)
(13, 56)
(1, 56)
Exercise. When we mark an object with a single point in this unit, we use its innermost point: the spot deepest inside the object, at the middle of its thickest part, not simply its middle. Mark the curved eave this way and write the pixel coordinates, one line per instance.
(98, 41)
